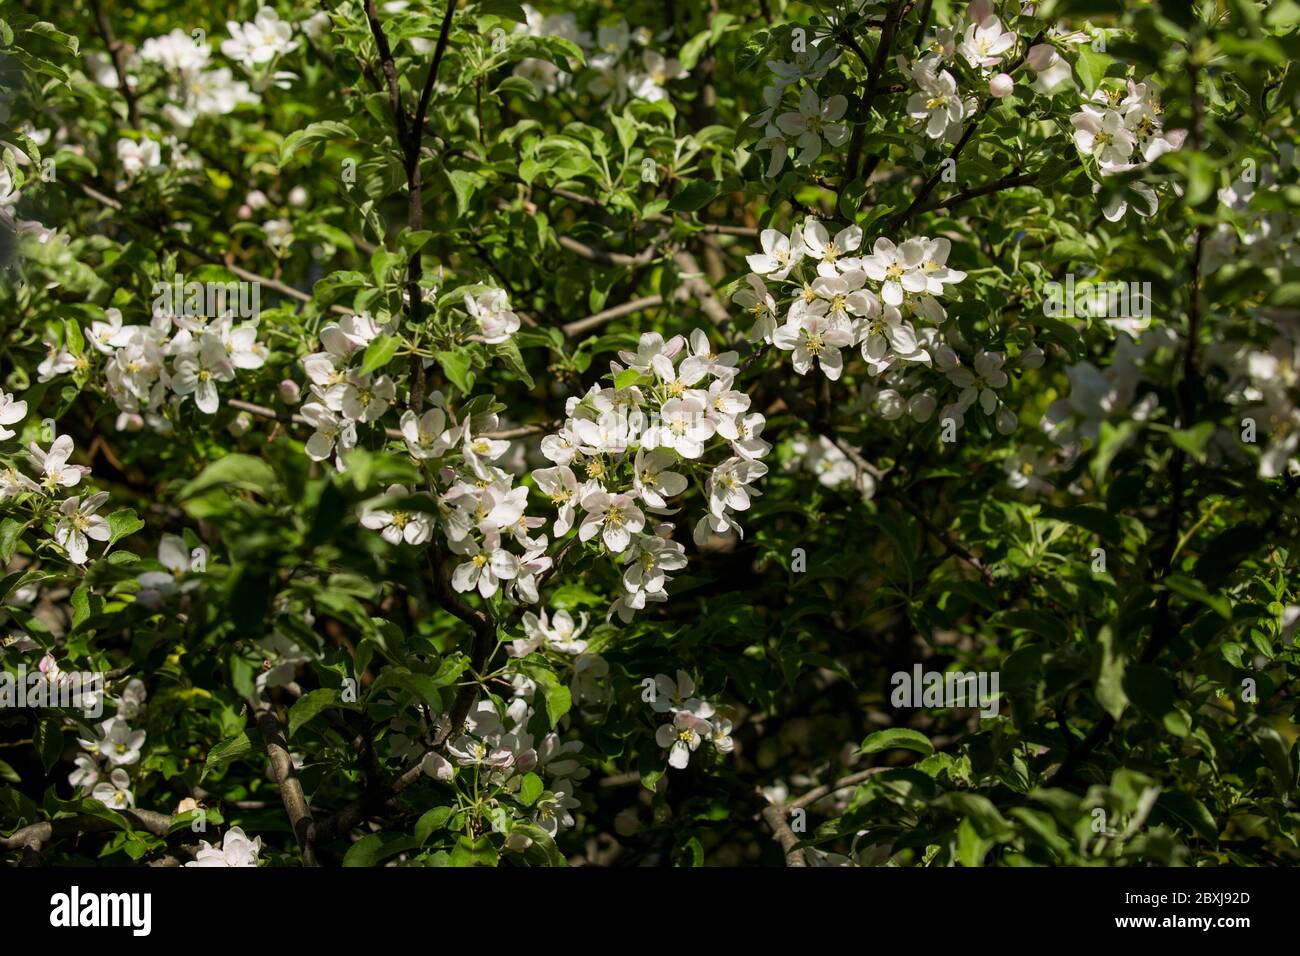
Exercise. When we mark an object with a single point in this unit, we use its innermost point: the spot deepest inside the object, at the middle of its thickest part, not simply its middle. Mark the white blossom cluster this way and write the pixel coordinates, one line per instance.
(195, 87)
(812, 122)
(102, 768)
(1073, 423)
(635, 448)
(692, 721)
(1266, 389)
(823, 298)
(1124, 132)
(341, 396)
(236, 850)
(616, 71)
(480, 511)
(1261, 236)
(822, 458)
(501, 752)
(78, 521)
(149, 369)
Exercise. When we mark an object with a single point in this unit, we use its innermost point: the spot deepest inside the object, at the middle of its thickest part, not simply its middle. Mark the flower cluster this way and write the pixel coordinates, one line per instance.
(236, 850)
(203, 353)
(341, 395)
(813, 121)
(102, 769)
(830, 299)
(194, 90)
(637, 444)
(822, 458)
(501, 752)
(616, 71)
(692, 720)
(76, 521)
(1113, 128)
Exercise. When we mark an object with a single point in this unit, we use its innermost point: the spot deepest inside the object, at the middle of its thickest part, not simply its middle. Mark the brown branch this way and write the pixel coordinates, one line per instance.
(605, 257)
(1010, 181)
(578, 326)
(33, 837)
(286, 778)
(1163, 629)
(924, 192)
(117, 52)
(389, 68)
(774, 816)
(694, 284)
(874, 71)
(950, 543)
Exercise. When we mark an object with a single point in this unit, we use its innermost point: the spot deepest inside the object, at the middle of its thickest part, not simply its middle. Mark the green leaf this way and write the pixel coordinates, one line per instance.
(232, 471)
(692, 48)
(897, 738)
(1193, 440)
(464, 184)
(558, 702)
(48, 741)
(11, 530)
(1090, 517)
(230, 749)
(379, 353)
(1111, 442)
(122, 523)
(530, 789)
(456, 366)
(509, 350)
(509, 9)
(1191, 812)
(309, 705)
(695, 196)
(689, 853)
(1091, 67)
(474, 852)
(1194, 590)
(376, 847)
(431, 821)
(1109, 686)
(312, 134)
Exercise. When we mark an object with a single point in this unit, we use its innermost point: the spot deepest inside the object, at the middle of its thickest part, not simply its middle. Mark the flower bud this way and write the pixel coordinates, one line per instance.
(1006, 420)
(1001, 85)
(1040, 57)
(289, 391)
(241, 424)
(1032, 357)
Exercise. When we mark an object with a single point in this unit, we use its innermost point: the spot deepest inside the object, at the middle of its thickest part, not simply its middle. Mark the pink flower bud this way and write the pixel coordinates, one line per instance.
(1001, 85)
(289, 392)
(1041, 57)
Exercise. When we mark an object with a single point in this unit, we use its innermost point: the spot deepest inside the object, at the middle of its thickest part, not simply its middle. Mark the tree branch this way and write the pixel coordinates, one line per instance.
(286, 778)
(117, 53)
(923, 193)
